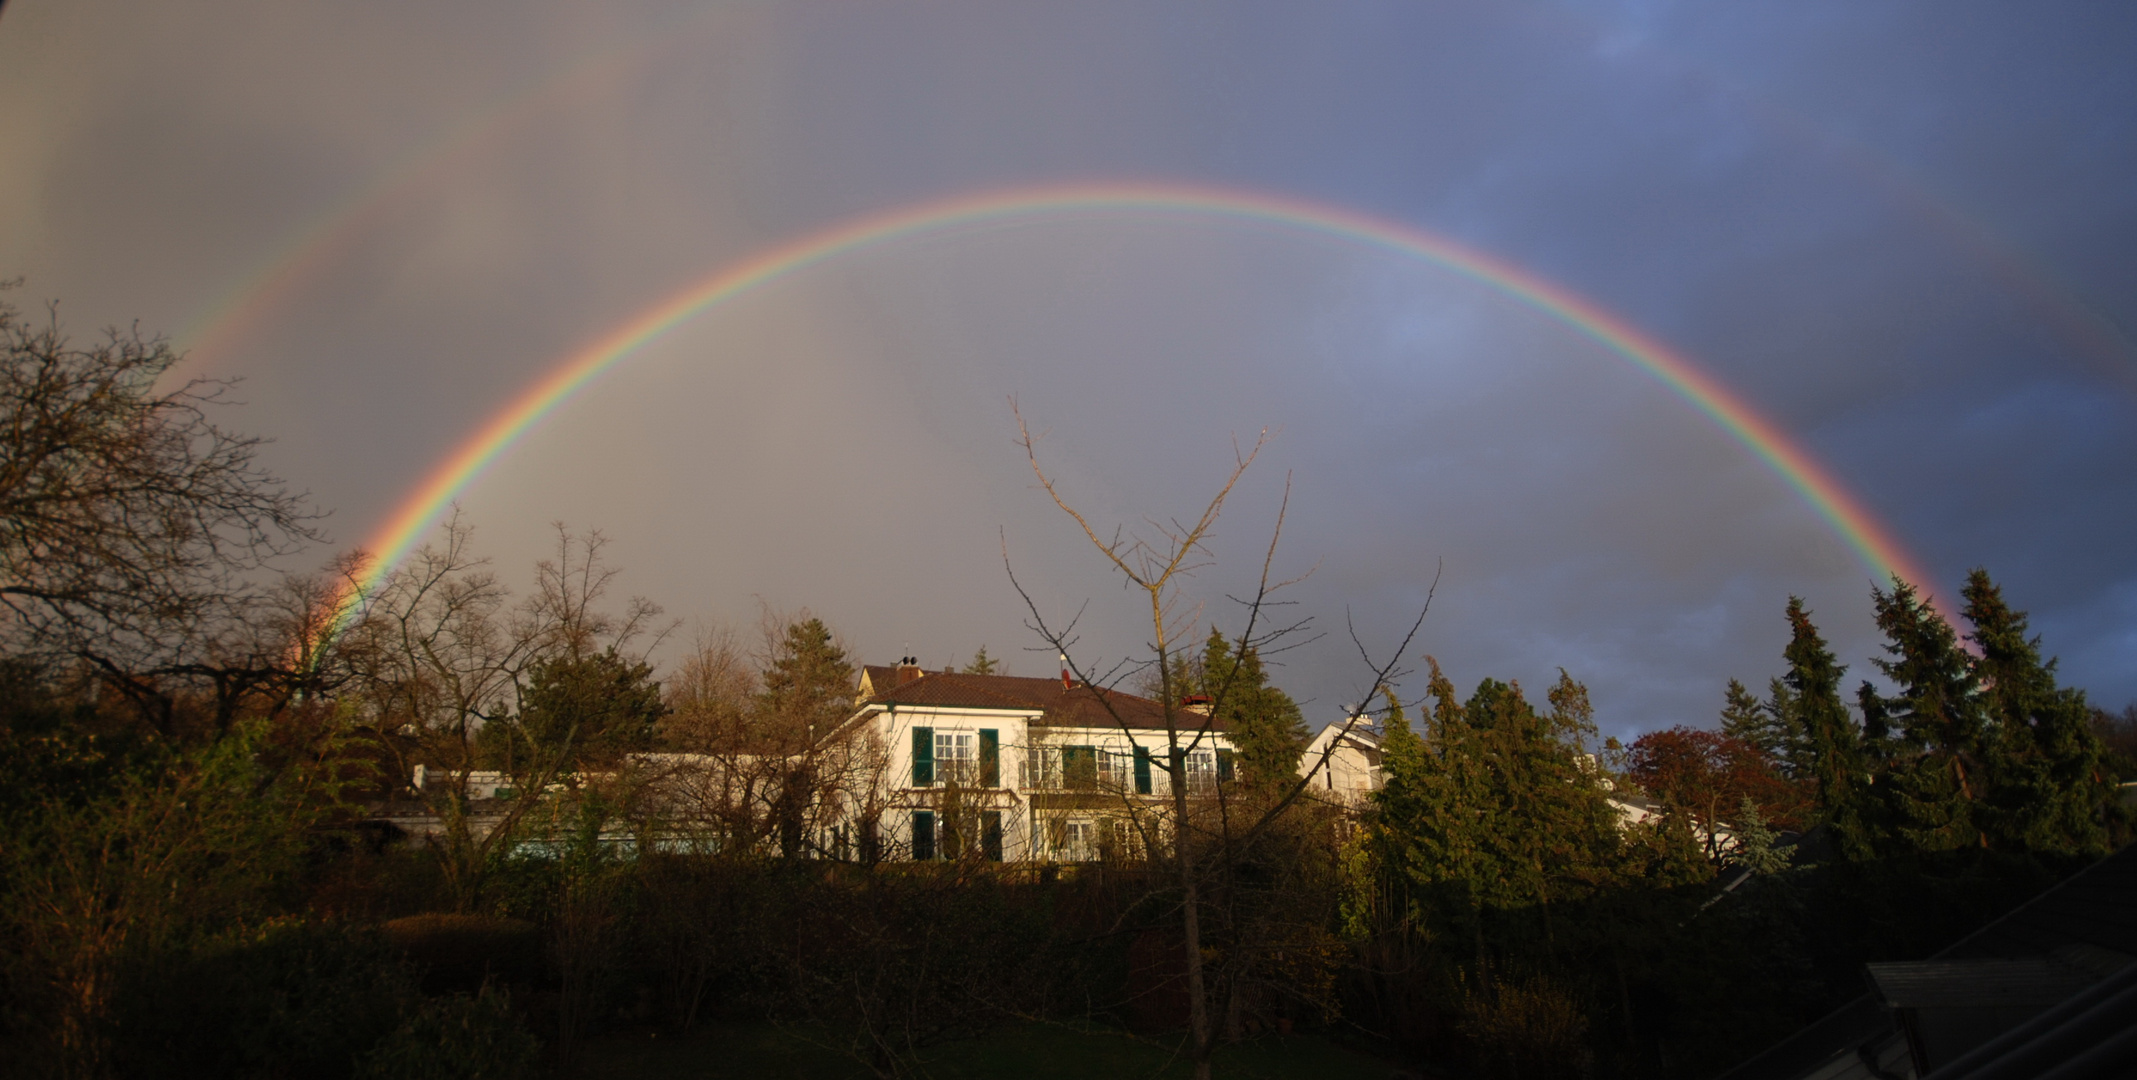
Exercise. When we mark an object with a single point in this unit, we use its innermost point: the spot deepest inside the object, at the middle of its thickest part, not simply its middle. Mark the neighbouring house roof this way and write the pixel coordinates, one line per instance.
(1058, 705)
(1360, 737)
(2067, 958)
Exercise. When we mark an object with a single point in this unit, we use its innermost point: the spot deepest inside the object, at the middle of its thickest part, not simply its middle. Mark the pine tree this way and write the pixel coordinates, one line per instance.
(1438, 823)
(1266, 727)
(1446, 708)
(1754, 846)
(2051, 792)
(1745, 717)
(1930, 733)
(1832, 745)
(1397, 738)
(593, 708)
(808, 692)
(982, 664)
(1497, 812)
(808, 686)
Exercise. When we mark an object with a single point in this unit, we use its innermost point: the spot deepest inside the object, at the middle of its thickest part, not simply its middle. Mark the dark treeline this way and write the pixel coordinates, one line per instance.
(1515, 917)
(254, 825)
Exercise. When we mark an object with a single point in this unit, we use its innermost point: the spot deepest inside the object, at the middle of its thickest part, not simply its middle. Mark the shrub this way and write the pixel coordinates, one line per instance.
(1528, 1028)
(462, 953)
(459, 1037)
(288, 998)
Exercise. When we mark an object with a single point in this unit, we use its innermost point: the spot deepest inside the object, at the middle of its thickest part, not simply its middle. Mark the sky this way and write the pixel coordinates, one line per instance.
(1905, 234)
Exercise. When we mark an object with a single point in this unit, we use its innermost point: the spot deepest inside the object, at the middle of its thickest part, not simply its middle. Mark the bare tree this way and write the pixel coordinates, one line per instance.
(1202, 839)
(445, 655)
(758, 761)
(132, 527)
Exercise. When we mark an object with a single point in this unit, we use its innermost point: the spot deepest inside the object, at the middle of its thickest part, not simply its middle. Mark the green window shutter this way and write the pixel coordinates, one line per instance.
(924, 758)
(1224, 766)
(990, 835)
(1142, 770)
(923, 835)
(990, 758)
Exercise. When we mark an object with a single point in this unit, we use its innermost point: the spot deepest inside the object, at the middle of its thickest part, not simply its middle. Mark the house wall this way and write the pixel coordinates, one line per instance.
(1352, 771)
(1053, 806)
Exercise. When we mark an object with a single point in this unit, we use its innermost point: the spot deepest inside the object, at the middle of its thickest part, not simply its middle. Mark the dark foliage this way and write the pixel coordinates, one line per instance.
(291, 998)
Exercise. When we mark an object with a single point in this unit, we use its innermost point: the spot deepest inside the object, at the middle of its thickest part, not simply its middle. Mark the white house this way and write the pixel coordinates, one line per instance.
(1013, 769)
(1351, 769)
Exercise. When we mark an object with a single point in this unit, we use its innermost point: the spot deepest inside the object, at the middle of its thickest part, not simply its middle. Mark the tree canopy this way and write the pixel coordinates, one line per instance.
(1267, 730)
(807, 683)
(127, 515)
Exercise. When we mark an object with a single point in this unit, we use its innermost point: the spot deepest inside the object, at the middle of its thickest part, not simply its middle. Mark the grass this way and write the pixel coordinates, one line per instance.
(1021, 1051)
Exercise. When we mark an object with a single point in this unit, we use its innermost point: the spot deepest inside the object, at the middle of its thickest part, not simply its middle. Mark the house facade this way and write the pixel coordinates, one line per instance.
(1014, 769)
(1348, 760)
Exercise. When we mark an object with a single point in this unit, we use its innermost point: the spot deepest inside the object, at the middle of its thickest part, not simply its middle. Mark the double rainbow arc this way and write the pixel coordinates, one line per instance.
(1873, 543)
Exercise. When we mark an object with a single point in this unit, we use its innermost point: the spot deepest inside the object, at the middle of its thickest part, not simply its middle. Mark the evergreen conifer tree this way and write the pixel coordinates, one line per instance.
(1446, 707)
(808, 685)
(1931, 732)
(982, 664)
(593, 708)
(1438, 822)
(1266, 727)
(1397, 737)
(1832, 746)
(1745, 717)
(1787, 721)
(2051, 792)
(1755, 841)
(1495, 816)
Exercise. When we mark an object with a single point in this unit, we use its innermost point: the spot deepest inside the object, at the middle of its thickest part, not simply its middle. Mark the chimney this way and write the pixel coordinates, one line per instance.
(908, 669)
(1196, 703)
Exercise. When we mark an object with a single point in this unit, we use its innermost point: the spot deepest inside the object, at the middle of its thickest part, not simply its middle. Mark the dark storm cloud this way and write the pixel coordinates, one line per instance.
(1851, 213)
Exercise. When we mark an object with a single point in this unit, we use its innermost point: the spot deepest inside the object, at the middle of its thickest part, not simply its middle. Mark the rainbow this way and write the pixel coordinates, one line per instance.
(1869, 538)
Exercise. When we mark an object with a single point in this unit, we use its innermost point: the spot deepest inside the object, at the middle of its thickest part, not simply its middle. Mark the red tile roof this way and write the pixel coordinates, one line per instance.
(1077, 706)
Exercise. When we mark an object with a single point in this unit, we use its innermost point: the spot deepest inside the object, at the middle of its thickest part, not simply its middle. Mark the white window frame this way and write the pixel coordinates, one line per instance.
(1201, 770)
(1079, 840)
(956, 757)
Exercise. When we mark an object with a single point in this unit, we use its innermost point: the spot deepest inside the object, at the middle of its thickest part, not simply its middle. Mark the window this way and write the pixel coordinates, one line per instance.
(956, 757)
(1201, 773)
(923, 835)
(1079, 841)
(1079, 767)
(1112, 769)
(1042, 768)
(1123, 840)
(990, 835)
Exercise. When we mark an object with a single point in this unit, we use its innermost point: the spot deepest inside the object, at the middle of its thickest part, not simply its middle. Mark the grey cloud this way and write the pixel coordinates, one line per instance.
(1811, 199)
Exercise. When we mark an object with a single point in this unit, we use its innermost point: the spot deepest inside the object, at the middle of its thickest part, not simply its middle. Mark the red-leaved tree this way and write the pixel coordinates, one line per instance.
(1707, 775)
